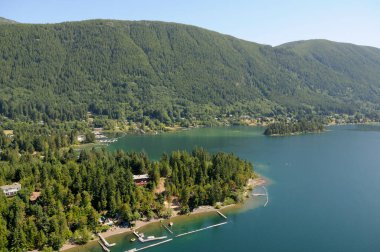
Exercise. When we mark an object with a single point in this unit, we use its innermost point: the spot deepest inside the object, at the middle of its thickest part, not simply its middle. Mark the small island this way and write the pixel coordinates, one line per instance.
(293, 128)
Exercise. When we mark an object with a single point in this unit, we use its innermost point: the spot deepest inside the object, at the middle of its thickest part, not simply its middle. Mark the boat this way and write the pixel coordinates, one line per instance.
(171, 224)
(133, 239)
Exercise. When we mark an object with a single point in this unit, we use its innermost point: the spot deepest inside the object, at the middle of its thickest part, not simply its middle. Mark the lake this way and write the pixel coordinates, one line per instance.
(323, 194)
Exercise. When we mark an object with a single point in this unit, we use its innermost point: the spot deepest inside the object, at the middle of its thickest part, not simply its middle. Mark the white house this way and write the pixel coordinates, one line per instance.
(141, 179)
(11, 190)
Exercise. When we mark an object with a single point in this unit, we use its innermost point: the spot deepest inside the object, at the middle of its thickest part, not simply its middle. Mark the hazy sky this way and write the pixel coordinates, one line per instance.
(264, 21)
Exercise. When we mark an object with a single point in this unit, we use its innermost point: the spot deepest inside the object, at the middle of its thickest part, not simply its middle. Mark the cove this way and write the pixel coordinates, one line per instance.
(324, 194)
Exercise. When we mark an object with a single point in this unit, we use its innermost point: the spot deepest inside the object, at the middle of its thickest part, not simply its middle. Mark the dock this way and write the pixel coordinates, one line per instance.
(167, 228)
(259, 194)
(104, 247)
(149, 246)
(201, 229)
(225, 217)
(266, 203)
(105, 242)
(149, 238)
(263, 194)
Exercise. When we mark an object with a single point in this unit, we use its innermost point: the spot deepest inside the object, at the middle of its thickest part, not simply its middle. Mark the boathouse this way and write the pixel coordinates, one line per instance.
(11, 190)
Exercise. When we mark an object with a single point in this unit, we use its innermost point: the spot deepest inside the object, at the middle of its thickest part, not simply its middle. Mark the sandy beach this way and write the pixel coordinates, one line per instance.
(140, 223)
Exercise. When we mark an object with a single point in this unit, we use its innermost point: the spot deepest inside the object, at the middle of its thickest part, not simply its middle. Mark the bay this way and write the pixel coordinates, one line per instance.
(323, 195)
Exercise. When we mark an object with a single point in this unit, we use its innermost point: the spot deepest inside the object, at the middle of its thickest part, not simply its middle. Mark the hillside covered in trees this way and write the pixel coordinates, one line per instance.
(75, 190)
(173, 72)
(290, 128)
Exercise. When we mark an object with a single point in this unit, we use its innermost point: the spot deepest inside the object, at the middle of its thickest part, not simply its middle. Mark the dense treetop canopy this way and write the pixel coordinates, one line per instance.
(76, 189)
(168, 71)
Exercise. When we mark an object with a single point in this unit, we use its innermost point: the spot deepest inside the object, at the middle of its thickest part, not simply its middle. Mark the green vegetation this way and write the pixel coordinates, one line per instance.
(78, 188)
(289, 128)
(203, 179)
(141, 76)
(167, 73)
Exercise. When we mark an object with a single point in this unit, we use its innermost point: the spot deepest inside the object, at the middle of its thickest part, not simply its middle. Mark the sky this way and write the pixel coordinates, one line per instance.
(271, 22)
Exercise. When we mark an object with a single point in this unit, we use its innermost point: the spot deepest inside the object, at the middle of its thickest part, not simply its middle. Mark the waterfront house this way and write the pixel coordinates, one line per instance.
(142, 179)
(11, 190)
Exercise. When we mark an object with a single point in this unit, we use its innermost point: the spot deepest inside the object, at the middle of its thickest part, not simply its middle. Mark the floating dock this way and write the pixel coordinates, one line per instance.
(225, 217)
(105, 242)
(149, 238)
(149, 246)
(201, 229)
(104, 247)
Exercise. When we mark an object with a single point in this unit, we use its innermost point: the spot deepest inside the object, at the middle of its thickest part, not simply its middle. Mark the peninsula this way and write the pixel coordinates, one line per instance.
(66, 196)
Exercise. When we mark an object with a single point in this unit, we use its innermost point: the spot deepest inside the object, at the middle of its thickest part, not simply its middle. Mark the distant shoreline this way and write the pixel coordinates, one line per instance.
(252, 183)
(98, 144)
(181, 129)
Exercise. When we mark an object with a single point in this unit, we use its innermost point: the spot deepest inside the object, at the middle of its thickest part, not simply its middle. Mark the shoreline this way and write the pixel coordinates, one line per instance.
(253, 125)
(98, 144)
(252, 183)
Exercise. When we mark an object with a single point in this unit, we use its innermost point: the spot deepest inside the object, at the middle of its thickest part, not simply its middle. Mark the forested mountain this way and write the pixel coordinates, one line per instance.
(167, 71)
(6, 21)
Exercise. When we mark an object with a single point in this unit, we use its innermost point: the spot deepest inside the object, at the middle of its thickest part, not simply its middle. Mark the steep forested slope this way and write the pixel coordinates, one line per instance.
(169, 71)
(356, 66)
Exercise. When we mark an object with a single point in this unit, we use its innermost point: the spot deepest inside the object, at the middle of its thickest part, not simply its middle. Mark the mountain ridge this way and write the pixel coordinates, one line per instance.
(7, 21)
(170, 22)
(167, 71)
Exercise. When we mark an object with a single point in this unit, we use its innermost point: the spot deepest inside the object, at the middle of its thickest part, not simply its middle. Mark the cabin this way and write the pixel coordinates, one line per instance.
(11, 190)
(106, 221)
(34, 197)
(141, 180)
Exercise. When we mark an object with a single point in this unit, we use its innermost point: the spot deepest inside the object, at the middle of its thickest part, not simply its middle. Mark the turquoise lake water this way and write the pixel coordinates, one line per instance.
(323, 196)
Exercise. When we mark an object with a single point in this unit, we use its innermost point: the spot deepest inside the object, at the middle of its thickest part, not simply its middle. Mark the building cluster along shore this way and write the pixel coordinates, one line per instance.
(137, 225)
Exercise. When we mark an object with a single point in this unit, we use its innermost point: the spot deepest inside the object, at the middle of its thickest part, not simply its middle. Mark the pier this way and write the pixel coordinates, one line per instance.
(259, 194)
(104, 247)
(149, 238)
(105, 242)
(167, 228)
(225, 217)
(201, 229)
(149, 246)
(266, 203)
(263, 194)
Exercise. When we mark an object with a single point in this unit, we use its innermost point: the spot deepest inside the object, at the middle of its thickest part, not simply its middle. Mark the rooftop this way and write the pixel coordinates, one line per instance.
(13, 186)
(142, 176)
(8, 132)
(35, 196)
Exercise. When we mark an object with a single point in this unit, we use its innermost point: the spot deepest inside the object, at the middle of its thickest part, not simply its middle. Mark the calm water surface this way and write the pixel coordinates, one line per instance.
(324, 194)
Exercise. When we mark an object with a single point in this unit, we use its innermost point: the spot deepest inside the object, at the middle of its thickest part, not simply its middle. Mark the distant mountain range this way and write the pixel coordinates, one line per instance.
(169, 71)
(6, 21)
